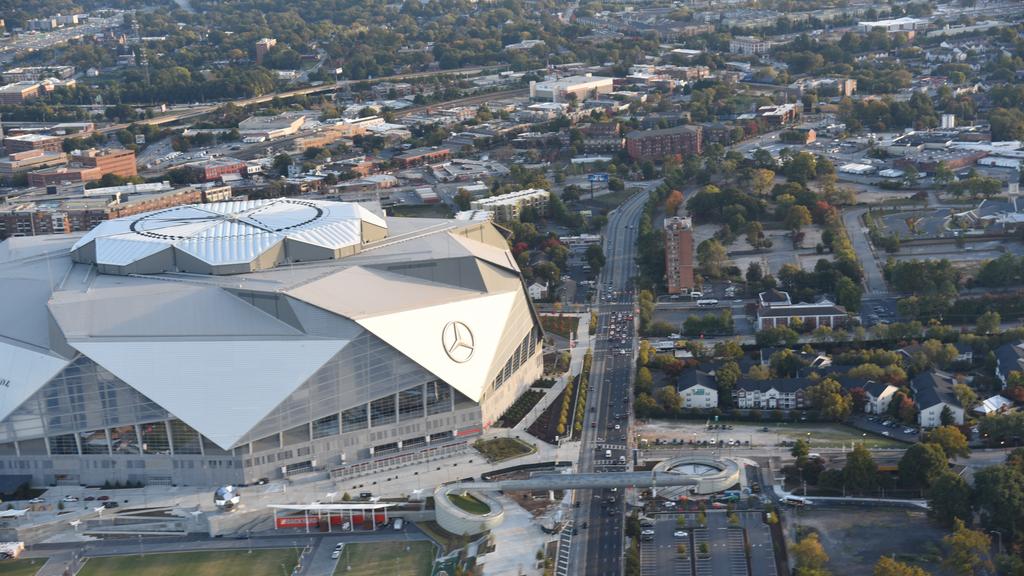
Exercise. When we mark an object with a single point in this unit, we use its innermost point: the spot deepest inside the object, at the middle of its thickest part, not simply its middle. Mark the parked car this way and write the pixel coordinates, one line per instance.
(38, 500)
(70, 499)
(681, 534)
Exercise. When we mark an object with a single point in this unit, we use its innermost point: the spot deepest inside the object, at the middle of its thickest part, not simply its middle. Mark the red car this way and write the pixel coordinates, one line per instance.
(103, 498)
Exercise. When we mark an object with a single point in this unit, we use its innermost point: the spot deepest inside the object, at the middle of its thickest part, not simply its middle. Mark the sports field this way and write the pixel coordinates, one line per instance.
(21, 567)
(221, 563)
(389, 558)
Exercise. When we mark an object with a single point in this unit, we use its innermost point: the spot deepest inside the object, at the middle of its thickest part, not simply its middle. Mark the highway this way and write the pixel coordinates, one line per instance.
(598, 547)
(203, 110)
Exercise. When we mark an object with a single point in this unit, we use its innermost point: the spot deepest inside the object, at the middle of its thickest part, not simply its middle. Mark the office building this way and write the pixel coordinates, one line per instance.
(222, 343)
(19, 92)
(580, 87)
(263, 46)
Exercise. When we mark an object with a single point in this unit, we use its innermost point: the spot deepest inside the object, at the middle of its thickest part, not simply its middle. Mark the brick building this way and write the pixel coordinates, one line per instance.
(419, 156)
(657, 144)
(679, 255)
(87, 166)
(214, 168)
(25, 142)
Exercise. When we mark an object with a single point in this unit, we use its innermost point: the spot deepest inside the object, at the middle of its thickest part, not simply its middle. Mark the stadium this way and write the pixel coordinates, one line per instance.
(223, 343)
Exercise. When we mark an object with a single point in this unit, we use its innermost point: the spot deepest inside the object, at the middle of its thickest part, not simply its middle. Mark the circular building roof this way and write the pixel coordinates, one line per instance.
(229, 237)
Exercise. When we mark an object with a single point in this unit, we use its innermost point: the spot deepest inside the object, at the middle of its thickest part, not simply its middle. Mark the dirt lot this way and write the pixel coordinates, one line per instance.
(855, 538)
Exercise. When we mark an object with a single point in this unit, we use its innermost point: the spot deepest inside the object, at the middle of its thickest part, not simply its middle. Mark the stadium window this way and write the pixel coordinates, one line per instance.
(354, 419)
(271, 442)
(94, 442)
(327, 426)
(185, 438)
(296, 435)
(124, 440)
(382, 411)
(410, 403)
(63, 444)
(439, 397)
(154, 438)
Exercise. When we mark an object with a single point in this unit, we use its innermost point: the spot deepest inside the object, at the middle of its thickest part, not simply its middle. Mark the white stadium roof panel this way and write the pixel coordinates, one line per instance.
(228, 233)
(221, 388)
(24, 373)
(419, 334)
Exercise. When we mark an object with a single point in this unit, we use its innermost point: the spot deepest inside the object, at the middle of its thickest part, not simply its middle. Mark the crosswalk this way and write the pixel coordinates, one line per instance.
(648, 558)
(564, 551)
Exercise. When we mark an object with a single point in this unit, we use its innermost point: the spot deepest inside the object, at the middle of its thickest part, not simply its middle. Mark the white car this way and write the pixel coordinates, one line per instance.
(670, 504)
(37, 500)
(70, 499)
(617, 427)
(681, 534)
(335, 555)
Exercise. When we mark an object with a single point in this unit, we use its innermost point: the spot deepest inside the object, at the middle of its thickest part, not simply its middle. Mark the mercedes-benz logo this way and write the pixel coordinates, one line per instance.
(457, 340)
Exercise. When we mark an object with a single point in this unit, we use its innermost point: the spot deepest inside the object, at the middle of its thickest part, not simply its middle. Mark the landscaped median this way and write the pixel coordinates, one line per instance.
(501, 449)
(469, 503)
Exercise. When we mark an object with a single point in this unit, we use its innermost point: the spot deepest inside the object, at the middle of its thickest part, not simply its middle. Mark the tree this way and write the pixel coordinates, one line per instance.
(828, 397)
(988, 323)
(921, 464)
(800, 451)
(943, 175)
(672, 203)
(946, 417)
(754, 273)
(712, 257)
(797, 217)
(669, 399)
(809, 556)
(755, 234)
(761, 181)
(848, 294)
(595, 257)
(949, 498)
(860, 472)
(644, 380)
(463, 199)
(950, 438)
(967, 551)
(801, 167)
(281, 163)
(888, 567)
(999, 496)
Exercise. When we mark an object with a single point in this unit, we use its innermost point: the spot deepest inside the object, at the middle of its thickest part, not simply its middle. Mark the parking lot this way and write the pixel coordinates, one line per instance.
(717, 549)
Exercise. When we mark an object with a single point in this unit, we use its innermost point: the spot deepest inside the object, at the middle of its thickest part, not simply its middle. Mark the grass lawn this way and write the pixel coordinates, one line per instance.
(498, 449)
(606, 201)
(387, 558)
(561, 325)
(221, 563)
(21, 567)
(835, 435)
(469, 504)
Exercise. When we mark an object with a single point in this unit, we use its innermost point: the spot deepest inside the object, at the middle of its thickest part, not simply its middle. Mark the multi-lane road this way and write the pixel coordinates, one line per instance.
(598, 548)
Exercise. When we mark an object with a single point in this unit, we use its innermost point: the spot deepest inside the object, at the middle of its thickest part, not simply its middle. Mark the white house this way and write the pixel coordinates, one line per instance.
(933, 393)
(537, 291)
(878, 397)
(697, 389)
(993, 405)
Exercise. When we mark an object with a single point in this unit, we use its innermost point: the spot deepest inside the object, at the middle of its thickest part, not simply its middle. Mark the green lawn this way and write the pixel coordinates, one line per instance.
(498, 449)
(389, 558)
(469, 504)
(834, 436)
(221, 563)
(21, 567)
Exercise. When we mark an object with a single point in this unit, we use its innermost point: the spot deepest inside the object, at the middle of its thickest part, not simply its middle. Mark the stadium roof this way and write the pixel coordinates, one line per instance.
(228, 237)
(222, 352)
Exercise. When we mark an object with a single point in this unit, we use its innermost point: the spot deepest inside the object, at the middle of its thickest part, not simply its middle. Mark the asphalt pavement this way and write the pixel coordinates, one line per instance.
(598, 548)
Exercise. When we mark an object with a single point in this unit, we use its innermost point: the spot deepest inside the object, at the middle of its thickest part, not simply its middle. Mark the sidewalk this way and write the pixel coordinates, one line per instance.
(583, 343)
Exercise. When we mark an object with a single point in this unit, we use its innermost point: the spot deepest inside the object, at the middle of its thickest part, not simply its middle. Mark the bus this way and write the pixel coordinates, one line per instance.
(795, 501)
(707, 303)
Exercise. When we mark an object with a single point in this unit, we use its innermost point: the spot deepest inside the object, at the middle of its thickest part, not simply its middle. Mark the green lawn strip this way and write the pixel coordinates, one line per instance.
(391, 558)
(469, 504)
(499, 449)
(214, 563)
(21, 567)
